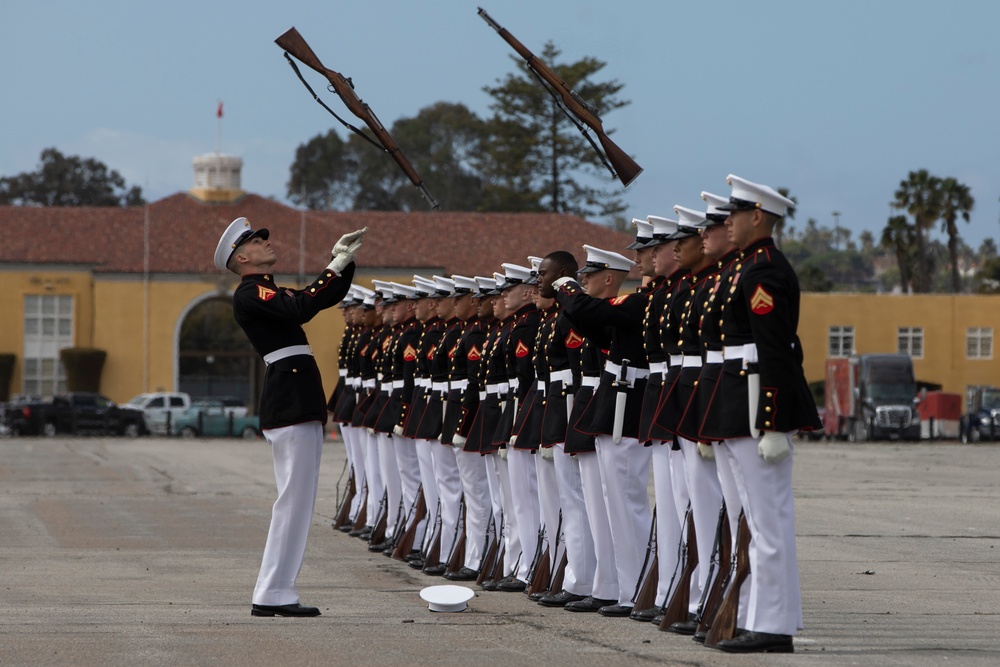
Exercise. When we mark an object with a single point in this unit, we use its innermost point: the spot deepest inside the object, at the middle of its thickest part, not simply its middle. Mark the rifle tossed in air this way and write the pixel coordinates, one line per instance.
(293, 43)
(614, 158)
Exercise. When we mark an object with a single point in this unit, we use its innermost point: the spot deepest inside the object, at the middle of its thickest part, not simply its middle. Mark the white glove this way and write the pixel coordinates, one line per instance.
(773, 446)
(513, 439)
(397, 430)
(547, 453)
(458, 442)
(502, 453)
(343, 251)
(706, 451)
(559, 282)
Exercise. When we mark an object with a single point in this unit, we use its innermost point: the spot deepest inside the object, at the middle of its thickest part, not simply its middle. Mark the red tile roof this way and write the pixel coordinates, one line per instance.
(183, 233)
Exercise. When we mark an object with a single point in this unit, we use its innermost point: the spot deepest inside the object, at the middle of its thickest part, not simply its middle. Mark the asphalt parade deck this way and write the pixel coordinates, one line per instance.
(144, 552)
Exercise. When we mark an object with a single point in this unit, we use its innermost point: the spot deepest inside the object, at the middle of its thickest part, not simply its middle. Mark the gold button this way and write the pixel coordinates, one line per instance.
(770, 395)
(295, 370)
(767, 424)
(743, 372)
(738, 267)
(320, 282)
(696, 383)
(722, 337)
(767, 408)
(312, 289)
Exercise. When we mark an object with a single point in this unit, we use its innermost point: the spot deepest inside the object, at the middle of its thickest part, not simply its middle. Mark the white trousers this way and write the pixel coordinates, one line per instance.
(524, 504)
(393, 485)
(605, 585)
(354, 445)
(625, 475)
(731, 495)
(476, 491)
(513, 562)
(373, 475)
(296, 451)
(668, 523)
(577, 539)
(409, 477)
(775, 603)
(428, 485)
(548, 506)
(449, 488)
(706, 500)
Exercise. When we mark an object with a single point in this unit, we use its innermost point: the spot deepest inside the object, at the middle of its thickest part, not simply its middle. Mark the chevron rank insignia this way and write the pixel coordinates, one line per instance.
(451, 352)
(521, 350)
(619, 300)
(409, 354)
(761, 303)
(265, 293)
(430, 352)
(473, 354)
(573, 340)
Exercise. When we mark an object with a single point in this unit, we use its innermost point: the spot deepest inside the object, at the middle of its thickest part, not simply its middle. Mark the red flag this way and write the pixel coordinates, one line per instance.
(219, 112)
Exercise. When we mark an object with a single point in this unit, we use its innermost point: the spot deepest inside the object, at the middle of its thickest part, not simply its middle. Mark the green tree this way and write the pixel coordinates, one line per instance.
(68, 180)
(536, 158)
(956, 202)
(813, 279)
(779, 227)
(322, 177)
(899, 236)
(920, 196)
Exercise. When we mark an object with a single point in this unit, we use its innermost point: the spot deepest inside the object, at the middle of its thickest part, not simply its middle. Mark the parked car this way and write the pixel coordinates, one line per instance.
(212, 419)
(231, 403)
(159, 409)
(74, 413)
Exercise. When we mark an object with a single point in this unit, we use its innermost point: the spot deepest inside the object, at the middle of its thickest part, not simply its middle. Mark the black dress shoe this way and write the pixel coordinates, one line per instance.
(438, 570)
(587, 604)
(700, 637)
(646, 615)
(560, 599)
(615, 610)
(346, 528)
(416, 564)
(283, 610)
(535, 597)
(414, 555)
(511, 584)
(489, 585)
(377, 547)
(657, 620)
(365, 533)
(684, 627)
(757, 642)
(388, 550)
(464, 574)
(356, 532)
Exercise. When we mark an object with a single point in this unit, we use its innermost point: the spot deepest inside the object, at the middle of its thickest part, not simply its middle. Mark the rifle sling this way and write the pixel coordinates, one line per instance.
(332, 112)
(569, 114)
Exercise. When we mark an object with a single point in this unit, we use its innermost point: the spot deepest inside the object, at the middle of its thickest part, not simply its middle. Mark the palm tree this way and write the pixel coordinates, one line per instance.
(956, 202)
(919, 195)
(899, 236)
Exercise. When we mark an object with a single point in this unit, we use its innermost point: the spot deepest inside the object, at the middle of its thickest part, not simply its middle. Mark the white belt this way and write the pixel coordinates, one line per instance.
(423, 382)
(714, 357)
(513, 384)
(385, 386)
(657, 367)
(439, 386)
(541, 386)
(676, 360)
(589, 381)
(342, 372)
(632, 374)
(748, 353)
(368, 384)
(692, 361)
(285, 352)
(460, 385)
(565, 376)
(397, 384)
(496, 388)
(482, 396)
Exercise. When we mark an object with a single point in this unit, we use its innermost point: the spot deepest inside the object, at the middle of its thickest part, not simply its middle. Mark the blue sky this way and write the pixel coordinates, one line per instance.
(837, 101)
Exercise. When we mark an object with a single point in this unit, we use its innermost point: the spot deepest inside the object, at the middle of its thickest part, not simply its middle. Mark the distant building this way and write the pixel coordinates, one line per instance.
(140, 283)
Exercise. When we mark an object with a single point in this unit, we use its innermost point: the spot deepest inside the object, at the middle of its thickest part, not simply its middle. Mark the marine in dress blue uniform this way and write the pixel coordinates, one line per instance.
(292, 404)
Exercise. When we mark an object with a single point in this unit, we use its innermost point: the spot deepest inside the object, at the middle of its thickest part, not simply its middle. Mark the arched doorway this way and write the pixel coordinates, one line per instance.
(214, 357)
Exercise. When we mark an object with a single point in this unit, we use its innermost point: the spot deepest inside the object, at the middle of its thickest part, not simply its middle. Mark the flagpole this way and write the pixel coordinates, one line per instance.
(218, 129)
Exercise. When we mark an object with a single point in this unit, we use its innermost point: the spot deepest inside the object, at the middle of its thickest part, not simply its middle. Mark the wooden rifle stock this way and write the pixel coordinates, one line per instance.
(625, 167)
(724, 624)
(432, 556)
(489, 562)
(292, 42)
(646, 598)
(723, 541)
(378, 532)
(538, 580)
(677, 608)
(344, 513)
(362, 519)
(556, 583)
(404, 545)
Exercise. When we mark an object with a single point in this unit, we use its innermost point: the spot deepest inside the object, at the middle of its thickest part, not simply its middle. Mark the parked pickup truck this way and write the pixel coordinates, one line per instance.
(211, 419)
(159, 409)
(74, 413)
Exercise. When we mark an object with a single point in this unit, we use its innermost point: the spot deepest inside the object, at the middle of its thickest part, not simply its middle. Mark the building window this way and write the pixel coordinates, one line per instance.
(841, 341)
(979, 343)
(911, 341)
(48, 328)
